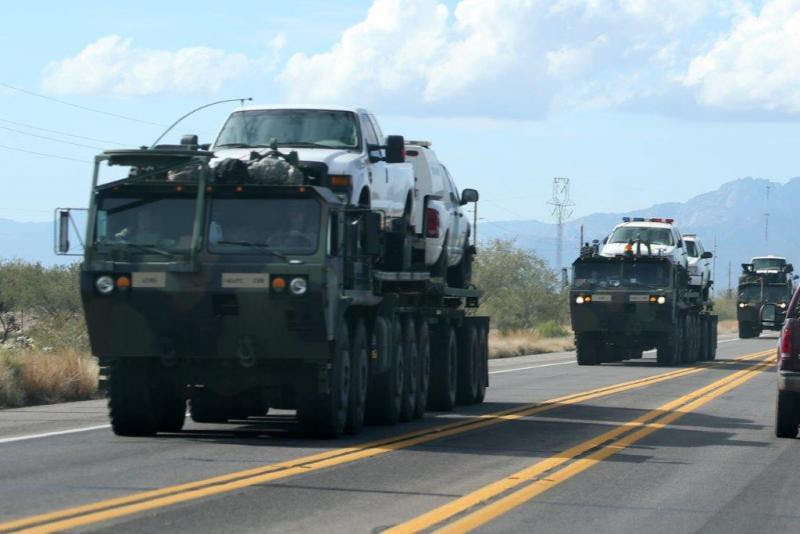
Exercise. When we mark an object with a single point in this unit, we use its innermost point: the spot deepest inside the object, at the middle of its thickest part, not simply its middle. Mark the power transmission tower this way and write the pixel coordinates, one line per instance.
(562, 210)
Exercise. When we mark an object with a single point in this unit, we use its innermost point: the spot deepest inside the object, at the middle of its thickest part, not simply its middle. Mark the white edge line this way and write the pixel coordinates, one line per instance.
(49, 434)
(530, 367)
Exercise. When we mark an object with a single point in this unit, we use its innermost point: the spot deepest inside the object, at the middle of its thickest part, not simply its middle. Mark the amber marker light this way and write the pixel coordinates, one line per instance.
(178, 188)
(239, 189)
(278, 284)
(123, 282)
(209, 189)
(340, 180)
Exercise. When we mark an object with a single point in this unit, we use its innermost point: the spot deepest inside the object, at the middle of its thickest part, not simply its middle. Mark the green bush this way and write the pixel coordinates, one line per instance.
(550, 328)
(725, 308)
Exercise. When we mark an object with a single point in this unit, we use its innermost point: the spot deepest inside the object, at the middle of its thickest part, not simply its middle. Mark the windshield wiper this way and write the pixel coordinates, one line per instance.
(251, 244)
(306, 144)
(145, 248)
(240, 145)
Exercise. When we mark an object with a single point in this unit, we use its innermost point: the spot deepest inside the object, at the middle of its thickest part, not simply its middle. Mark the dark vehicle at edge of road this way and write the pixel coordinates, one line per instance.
(787, 404)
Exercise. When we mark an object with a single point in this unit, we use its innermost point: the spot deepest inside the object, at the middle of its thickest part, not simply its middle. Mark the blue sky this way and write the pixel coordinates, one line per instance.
(636, 101)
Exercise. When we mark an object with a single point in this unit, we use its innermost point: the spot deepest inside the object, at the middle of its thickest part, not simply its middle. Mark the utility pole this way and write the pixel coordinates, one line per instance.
(562, 204)
(730, 289)
(766, 221)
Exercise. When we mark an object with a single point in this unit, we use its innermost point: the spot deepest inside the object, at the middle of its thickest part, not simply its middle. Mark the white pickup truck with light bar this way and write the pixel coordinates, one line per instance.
(646, 237)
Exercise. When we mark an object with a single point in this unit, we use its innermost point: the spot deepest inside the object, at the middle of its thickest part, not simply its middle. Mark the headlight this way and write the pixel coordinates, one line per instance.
(104, 284)
(742, 304)
(782, 305)
(298, 286)
(662, 299)
(579, 300)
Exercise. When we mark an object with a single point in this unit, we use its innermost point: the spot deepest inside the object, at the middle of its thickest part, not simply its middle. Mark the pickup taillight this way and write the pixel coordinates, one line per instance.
(790, 346)
(431, 222)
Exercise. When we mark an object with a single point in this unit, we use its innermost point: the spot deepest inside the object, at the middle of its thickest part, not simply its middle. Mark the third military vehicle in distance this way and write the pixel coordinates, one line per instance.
(639, 298)
(765, 280)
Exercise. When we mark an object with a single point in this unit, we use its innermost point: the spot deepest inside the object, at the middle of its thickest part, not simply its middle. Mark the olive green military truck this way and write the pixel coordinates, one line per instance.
(254, 285)
(623, 305)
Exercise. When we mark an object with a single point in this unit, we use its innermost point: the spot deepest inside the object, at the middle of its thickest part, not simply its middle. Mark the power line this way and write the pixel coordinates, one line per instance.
(50, 138)
(63, 133)
(43, 154)
(78, 106)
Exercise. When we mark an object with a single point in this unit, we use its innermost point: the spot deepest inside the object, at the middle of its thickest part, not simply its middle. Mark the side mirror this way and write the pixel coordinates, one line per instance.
(205, 146)
(768, 315)
(605, 240)
(189, 141)
(63, 232)
(706, 255)
(795, 277)
(789, 268)
(395, 149)
(469, 195)
(680, 243)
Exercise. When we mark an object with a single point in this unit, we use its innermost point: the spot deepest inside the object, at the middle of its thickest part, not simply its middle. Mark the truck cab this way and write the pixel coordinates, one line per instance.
(339, 147)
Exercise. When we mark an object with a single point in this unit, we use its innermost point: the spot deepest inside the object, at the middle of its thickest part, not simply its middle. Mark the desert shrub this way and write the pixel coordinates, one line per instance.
(550, 328)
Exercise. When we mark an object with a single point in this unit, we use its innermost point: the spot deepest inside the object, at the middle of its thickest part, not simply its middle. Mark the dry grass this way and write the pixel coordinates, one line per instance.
(728, 326)
(31, 377)
(525, 342)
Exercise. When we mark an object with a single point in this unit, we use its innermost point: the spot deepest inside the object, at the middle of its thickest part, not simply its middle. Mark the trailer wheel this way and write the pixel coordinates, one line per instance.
(359, 379)
(130, 402)
(461, 275)
(385, 398)
(787, 415)
(410, 353)
(586, 348)
(324, 415)
(172, 400)
(468, 365)
(208, 406)
(688, 353)
(668, 351)
(712, 343)
(483, 359)
(423, 367)
(444, 371)
(746, 330)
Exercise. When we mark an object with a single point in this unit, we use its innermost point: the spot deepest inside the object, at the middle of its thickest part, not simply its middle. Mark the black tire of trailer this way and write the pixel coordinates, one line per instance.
(171, 397)
(440, 267)
(712, 345)
(469, 365)
(787, 414)
(444, 369)
(410, 354)
(359, 377)
(423, 367)
(206, 406)
(586, 348)
(668, 351)
(461, 275)
(747, 330)
(385, 396)
(130, 401)
(483, 358)
(324, 415)
(688, 352)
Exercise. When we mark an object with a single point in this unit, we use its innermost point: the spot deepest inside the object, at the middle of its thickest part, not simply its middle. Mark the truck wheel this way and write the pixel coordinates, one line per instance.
(130, 401)
(359, 379)
(444, 371)
(483, 359)
(411, 355)
(460, 276)
(787, 415)
(172, 400)
(208, 406)
(689, 354)
(325, 415)
(712, 341)
(468, 366)
(668, 352)
(385, 398)
(746, 330)
(423, 368)
(439, 269)
(586, 348)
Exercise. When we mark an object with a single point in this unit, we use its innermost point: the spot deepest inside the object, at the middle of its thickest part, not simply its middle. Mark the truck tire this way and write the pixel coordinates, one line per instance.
(712, 341)
(359, 378)
(668, 351)
(468, 365)
(460, 275)
(208, 406)
(444, 371)
(423, 367)
(130, 401)
(171, 398)
(324, 415)
(746, 330)
(787, 414)
(586, 345)
(439, 269)
(483, 358)
(410, 354)
(385, 398)
(688, 352)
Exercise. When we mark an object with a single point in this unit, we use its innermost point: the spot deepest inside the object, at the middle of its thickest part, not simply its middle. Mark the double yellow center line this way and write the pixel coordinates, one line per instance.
(483, 505)
(78, 516)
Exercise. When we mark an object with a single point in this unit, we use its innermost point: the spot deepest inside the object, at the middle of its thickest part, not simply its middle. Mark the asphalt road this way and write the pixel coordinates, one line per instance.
(618, 448)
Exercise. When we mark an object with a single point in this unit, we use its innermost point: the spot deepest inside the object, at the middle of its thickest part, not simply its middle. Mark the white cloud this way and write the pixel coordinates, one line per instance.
(756, 66)
(513, 58)
(113, 65)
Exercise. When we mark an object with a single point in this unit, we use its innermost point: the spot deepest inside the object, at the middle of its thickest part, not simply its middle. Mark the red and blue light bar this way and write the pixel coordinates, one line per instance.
(652, 219)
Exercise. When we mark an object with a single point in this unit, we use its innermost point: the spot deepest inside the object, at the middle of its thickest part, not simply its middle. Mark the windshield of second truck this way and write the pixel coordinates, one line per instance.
(752, 293)
(620, 275)
(156, 223)
(654, 236)
(768, 264)
(290, 127)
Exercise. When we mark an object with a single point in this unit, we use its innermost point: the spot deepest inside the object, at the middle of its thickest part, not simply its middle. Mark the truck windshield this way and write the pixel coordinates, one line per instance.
(156, 224)
(290, 127)
(620, 274)
(655, 236)
(256, 225)
(752, 293)
(691, 248)
(768, 263)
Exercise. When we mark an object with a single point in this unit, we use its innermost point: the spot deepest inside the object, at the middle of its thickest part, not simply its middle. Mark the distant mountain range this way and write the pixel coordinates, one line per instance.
(733, 214)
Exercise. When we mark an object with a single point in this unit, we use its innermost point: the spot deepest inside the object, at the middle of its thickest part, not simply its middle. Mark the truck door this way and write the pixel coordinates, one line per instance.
(377, 176)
